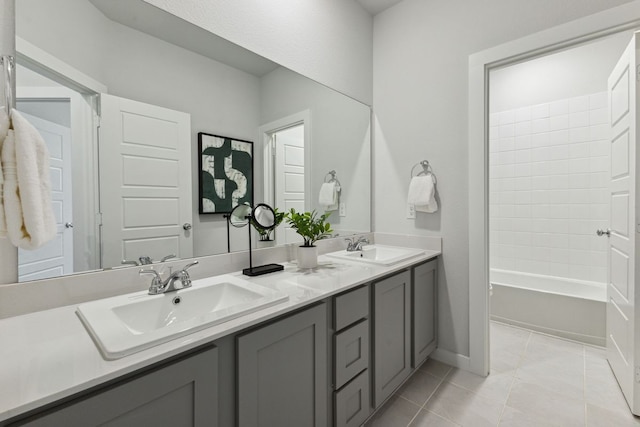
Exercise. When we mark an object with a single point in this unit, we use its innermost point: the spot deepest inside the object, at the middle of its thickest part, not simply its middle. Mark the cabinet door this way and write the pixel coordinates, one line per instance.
(183, 393)
(424, 301)
(392, 334)
(282, 372)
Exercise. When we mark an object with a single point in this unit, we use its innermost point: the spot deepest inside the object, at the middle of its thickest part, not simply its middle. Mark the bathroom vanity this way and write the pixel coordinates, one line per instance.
(348, 336)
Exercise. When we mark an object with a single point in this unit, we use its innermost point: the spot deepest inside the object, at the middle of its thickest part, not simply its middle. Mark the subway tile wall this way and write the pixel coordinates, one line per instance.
(549, 181)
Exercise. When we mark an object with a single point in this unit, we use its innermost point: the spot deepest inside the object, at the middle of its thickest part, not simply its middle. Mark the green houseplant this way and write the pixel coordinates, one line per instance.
(312, 227)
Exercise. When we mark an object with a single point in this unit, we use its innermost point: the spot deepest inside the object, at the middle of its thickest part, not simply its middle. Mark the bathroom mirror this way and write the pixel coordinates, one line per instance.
(140, 53)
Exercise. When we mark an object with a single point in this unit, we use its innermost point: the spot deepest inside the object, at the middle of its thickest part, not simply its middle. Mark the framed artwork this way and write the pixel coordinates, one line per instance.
(226, 173)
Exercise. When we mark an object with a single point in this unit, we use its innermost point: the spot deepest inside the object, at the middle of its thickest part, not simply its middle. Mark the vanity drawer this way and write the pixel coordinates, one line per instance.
(353, 403)
(352, 352)
(351, 307)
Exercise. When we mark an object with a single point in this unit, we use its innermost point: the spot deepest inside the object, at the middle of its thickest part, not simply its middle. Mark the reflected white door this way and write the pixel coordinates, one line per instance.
(145, 181)
(55, 258)
(289, 174)
(622, 328)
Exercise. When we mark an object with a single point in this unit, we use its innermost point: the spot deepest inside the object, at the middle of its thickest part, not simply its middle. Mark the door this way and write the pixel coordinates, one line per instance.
(55, 258)
(145, 181)
(289, 174)
(621, 285)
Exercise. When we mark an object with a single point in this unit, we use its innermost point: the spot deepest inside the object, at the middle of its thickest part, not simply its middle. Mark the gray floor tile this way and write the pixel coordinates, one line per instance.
(464, 407)
(419, 387)
(600, 417)
(495, 386)
(429, 419)
(435, 368)
(537, 402)
(397, 412)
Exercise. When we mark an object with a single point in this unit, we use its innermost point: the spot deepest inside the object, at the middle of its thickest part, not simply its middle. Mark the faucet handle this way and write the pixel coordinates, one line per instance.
(156, 282)
(145, 260)
(168, 257)
(129, 262)
(191, 264)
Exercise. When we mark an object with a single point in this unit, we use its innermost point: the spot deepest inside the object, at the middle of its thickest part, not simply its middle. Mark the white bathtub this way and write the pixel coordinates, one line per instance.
(567, 308)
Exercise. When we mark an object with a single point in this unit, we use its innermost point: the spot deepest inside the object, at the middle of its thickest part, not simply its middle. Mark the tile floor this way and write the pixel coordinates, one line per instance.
(536, 380)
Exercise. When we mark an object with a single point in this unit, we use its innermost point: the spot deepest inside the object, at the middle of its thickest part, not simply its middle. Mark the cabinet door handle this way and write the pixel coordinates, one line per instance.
(186, 226)
(606, 232)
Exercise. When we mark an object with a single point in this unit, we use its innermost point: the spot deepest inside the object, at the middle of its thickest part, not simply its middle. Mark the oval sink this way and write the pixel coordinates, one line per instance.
(378, 254)
(126, 324)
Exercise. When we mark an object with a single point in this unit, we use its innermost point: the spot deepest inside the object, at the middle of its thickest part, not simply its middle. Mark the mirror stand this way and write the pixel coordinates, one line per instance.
(260, 269)
(262, 216)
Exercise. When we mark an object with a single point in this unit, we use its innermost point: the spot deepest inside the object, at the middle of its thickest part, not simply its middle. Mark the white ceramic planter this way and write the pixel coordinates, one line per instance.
(307, 256)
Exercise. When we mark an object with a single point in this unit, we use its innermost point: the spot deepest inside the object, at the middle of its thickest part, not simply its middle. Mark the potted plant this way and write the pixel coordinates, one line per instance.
(266, 233)
(312, 228)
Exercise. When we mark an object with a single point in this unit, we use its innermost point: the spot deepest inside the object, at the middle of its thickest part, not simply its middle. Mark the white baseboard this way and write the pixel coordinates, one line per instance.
(452, 359)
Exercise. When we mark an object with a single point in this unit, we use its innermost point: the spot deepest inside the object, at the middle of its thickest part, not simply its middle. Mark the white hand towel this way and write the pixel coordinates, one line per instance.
(27, 196)
(4, 129)
(422, 193)
(328, 196)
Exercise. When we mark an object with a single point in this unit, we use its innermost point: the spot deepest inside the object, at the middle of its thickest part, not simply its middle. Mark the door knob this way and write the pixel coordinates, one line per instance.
(603, 232)
(68, 225)
(186, 226)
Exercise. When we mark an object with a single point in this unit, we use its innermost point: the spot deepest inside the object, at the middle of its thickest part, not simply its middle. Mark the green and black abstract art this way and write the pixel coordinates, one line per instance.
(226, 173)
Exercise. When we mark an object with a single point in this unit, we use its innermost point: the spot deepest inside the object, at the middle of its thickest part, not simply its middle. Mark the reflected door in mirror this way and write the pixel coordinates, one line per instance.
(145, 181)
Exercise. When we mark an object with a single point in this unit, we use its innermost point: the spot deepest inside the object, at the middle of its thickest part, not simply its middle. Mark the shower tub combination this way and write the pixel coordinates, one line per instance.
(567, 308)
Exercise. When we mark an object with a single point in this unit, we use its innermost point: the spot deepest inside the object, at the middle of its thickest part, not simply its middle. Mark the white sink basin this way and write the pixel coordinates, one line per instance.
(378, 254)
(130, 323)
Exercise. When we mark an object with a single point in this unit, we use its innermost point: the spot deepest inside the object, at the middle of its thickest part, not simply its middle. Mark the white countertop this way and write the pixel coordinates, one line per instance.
(48, 355)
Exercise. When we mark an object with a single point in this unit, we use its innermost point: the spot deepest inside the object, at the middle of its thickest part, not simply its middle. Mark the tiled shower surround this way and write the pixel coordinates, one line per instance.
(549, 174)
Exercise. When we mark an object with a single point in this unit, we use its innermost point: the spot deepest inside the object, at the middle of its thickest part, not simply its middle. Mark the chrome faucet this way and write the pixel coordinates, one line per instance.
(177, 280)
(355, 244)
(145, 260)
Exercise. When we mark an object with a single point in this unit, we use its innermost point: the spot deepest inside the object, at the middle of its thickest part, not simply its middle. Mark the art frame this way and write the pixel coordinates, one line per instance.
(225, 173)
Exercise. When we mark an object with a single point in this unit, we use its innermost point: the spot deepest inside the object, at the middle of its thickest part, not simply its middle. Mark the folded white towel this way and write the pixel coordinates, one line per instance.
(329, 196)
(27, 187)
(422, 193)
(4, 129)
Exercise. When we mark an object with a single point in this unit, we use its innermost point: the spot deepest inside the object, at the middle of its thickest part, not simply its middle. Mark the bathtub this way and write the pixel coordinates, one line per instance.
(567, 308)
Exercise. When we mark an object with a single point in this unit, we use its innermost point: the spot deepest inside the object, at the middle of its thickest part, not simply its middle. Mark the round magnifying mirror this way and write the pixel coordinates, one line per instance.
(264, 216)
(238, 216)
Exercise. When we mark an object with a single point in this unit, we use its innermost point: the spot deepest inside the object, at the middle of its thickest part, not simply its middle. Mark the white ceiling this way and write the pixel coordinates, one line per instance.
(377, 6)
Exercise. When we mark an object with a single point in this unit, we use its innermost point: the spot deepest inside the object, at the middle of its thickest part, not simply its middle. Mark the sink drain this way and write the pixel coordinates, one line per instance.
(176, 300)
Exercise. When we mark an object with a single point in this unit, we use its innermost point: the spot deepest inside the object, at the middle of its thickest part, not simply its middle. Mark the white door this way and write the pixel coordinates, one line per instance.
(55, 258)
(145, 181)
(289, 174)
(622, 328)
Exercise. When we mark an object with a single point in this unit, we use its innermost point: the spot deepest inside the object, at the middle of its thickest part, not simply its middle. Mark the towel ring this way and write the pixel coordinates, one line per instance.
(8, 65)
(331, 177)
(426, 170)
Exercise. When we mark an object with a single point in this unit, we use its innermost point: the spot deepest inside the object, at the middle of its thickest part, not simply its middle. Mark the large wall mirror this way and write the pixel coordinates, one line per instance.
(120, 91)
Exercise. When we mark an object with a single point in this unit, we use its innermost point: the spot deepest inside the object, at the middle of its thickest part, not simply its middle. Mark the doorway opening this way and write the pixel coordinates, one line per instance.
(64, 118)
(287, 169)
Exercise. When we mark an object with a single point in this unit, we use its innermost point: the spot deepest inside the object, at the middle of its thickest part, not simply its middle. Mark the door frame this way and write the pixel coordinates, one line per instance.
(82, 92)
(264, 134)
(622, 18)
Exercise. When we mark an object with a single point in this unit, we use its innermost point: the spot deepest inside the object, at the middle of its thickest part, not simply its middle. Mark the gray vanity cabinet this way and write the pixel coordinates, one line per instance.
(391, 334)
(424, 319)
(182, 393)
(283, 372)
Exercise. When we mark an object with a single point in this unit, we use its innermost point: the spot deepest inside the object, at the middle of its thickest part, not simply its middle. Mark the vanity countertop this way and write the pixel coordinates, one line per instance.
(48, 355)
